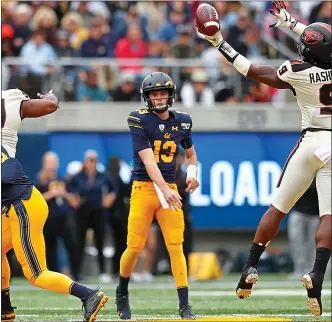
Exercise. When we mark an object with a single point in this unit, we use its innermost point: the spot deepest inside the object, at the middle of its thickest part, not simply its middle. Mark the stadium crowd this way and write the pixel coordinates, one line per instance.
(50, 30)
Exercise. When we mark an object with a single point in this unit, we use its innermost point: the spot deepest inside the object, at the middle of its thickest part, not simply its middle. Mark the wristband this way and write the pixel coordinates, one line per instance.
(242, 64)
(228, 51)
(298, 27)
(191, 171)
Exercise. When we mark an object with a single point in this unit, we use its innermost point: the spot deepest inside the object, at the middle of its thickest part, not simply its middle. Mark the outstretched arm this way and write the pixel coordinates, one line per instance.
(33, 108)
(285, 19)
(260, 73)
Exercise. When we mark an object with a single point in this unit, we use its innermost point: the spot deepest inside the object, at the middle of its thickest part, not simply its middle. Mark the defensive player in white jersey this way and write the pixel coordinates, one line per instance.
(15, 106)
(24, 212)
(310, 80)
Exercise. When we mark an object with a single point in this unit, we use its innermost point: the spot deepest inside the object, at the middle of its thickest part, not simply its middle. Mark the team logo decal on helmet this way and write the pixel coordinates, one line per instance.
(315, 45)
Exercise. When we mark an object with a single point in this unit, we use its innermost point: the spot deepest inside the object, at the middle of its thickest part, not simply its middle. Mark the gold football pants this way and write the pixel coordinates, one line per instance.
(144, 205)
(22, 229)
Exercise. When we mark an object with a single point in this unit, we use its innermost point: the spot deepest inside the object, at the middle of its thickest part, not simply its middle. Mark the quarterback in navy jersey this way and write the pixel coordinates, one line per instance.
(157, 135)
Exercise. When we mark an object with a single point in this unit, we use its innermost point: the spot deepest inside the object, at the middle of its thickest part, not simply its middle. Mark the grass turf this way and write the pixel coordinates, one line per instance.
(276, 299)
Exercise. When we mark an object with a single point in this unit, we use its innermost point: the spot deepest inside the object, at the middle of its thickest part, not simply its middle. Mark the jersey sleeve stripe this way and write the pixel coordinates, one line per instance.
(136, 126)
(134, 118)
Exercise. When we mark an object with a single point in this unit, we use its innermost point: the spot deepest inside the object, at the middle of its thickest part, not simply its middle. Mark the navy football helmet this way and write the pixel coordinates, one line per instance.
(158, 81)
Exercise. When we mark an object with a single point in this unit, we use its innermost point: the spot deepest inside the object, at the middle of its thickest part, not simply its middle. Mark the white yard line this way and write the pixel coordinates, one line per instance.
(195, 285)
(272, 292)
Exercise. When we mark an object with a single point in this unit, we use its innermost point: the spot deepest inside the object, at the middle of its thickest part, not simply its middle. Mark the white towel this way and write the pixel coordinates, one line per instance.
(161, 197)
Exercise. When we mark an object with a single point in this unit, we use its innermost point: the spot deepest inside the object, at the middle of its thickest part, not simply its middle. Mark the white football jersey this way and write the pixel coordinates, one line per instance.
(313, 88)
(11, 101)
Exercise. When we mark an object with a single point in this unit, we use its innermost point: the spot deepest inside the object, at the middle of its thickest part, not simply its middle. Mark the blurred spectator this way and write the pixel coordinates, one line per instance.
(127, 90)
(36, 52)
(131, 46)
(168, 31)
(109, 37)
(118, 213)
(156, 11)
(123, 19)
(223, 90)
(94, 46)
(38, 49)
(228, 13)
(182, 48)
(156, 48)
(61, 8)
(46, 21)
(22, 31)
(96, 194)
(73, 24)
(7, 36)
(212, 61)
(88, 88)
(197, 92)
(59, 225)
(180, 6)
(236, 34)
(73, 168)
(302, 225)
(63, 48)
(260, 93)
(321, 13)
(89, 9)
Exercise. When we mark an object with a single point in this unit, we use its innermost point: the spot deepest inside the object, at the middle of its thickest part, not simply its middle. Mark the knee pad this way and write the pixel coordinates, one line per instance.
(175, 237)
(135, 242)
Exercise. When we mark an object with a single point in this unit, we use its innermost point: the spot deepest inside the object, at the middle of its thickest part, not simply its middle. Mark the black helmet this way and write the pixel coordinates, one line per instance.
(158, 81)
(315, 45)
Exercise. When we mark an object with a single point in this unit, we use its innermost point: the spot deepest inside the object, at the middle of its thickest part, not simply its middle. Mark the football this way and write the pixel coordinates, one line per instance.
(207, 19)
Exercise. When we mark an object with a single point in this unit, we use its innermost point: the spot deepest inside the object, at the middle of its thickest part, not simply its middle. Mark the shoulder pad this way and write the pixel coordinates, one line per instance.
(298, 65)
(142, 111)
(180, 112)
(134, 120)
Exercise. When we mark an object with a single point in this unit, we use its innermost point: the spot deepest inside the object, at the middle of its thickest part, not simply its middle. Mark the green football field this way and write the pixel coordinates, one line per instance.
(274, 299)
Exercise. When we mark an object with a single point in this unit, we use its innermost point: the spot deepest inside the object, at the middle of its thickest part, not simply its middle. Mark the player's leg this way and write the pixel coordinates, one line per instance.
(7, 310)
(313, 281)
(291, 186)
(149, 254)
(143, 203)
(171, 223)
(27, 219)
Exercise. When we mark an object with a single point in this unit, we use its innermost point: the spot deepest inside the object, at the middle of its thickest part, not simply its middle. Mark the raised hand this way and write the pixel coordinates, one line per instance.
(284, 17)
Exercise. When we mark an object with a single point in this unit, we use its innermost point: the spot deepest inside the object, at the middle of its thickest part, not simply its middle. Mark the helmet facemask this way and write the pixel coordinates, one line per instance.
(159, 109)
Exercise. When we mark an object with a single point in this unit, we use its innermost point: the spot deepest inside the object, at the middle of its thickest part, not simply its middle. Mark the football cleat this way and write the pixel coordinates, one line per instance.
(8, 316)
(248, 278)
(93, 304)
(186, 313)
(314, 284)
(7, 313)
(122, 305)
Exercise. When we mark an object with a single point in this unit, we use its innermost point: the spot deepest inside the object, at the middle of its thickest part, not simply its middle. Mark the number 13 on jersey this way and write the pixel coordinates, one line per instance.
(168, 149)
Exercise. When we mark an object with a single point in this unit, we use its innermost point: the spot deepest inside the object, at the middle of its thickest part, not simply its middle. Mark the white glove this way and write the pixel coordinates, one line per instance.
(284, 17)
(216, 39)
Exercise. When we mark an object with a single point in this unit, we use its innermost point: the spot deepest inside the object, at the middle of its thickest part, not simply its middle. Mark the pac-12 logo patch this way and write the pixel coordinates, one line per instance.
(161, 127)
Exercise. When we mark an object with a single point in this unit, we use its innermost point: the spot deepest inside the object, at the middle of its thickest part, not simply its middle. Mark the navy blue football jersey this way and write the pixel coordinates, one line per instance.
(15, 184)
(163, 137)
